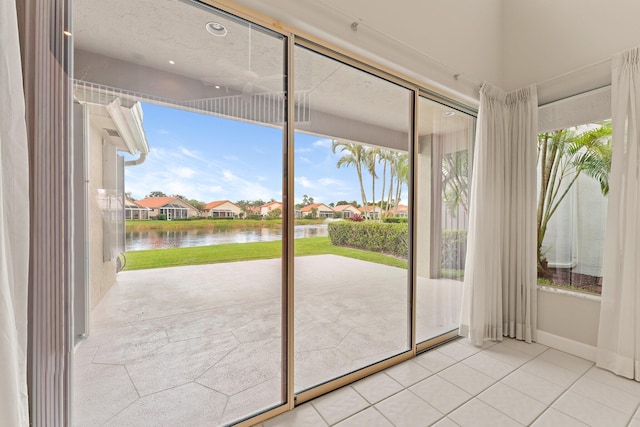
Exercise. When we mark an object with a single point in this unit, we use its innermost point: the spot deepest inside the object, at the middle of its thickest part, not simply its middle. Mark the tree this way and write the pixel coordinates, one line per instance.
(275, 213)
(455, 181)
(128, 195)
(370, 160)
(196, 204)
(563, 155)
(402, 178)
(385, 156)
(156, 194)
(353, 155)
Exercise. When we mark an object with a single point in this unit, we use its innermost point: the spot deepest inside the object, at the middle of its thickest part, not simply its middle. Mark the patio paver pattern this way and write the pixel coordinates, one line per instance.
(201, 345)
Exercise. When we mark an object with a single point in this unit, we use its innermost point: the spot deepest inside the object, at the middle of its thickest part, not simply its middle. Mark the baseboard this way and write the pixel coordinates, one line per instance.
(568, 346)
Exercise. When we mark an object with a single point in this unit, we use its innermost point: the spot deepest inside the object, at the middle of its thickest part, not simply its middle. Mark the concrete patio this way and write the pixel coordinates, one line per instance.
(201, 345)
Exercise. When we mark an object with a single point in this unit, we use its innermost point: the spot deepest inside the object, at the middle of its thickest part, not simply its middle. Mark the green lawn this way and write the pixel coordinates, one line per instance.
(141, 260)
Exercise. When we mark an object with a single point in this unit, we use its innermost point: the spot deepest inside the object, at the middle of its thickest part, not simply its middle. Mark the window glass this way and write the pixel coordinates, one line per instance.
(573, 181)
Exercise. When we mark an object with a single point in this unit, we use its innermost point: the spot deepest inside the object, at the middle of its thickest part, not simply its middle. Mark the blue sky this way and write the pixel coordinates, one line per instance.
(209, 158)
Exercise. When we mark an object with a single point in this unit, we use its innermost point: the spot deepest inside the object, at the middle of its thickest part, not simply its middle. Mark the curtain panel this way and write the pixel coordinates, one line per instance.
(499, 297)
(14, 226)
(619, 328)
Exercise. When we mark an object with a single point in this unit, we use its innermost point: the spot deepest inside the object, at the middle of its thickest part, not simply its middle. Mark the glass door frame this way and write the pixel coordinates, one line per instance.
(294, 37)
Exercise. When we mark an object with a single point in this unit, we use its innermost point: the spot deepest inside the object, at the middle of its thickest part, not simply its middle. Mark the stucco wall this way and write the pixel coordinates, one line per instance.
(102, 275)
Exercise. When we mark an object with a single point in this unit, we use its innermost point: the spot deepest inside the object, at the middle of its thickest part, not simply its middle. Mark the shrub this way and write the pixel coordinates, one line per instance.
(356, 218)
(390, 239)
(254, 216)
(396, 219)
(161, 217)
(454, 249)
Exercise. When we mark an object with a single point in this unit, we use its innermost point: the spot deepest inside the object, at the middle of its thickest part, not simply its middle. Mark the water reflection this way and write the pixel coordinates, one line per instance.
(156, 239)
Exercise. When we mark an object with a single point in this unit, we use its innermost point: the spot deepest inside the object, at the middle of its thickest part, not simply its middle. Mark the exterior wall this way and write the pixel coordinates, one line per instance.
(102, 275)
(323, 211)
(265, 210)
(348, 211)
(225, 208)
(575, 236)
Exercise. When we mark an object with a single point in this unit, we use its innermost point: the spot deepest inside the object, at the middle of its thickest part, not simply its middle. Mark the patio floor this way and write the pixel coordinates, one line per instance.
(201, 345)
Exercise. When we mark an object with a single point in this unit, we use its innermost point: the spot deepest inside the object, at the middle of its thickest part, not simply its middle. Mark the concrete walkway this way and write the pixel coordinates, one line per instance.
(201, 345)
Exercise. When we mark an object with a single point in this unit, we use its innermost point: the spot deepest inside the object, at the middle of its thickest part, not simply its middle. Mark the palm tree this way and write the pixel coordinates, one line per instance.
(371, 158)
(455, 181)
(402, 177)
(382, 158)
(562, 156)
(393, 161)
(353, 155)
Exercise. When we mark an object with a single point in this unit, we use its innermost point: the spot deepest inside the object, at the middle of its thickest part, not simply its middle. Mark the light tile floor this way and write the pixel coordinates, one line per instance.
(502, 384)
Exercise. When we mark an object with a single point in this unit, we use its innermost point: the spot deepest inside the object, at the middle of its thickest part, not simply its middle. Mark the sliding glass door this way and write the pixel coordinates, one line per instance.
(352, 168)
(443, 172)
(181, 118)
(241, 244)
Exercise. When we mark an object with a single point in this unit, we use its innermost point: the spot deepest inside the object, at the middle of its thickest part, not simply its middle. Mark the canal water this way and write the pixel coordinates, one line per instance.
(154, 239)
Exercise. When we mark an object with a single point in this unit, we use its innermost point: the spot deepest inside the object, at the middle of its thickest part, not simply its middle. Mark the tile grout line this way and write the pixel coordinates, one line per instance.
(566, 390)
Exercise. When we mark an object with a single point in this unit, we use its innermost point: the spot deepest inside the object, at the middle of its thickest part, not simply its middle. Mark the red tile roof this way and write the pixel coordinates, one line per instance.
(340, 208)
(216, 203)
(155, 202)
(270, 203)
(315, 205)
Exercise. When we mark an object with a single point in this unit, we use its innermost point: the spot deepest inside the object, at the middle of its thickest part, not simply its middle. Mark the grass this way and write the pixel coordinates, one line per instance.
(233, 252)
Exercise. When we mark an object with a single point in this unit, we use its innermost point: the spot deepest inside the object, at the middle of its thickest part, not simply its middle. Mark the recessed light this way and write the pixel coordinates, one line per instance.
(171, 61)
(216, 29)
(67, 33)
(217, 86)
(449, 113)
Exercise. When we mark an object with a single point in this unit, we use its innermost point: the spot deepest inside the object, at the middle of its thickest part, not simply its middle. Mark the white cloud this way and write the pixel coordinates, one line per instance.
(303, 150)
(189, 153)
(323, 143)
(184, 172)
(304, 159)
(304, 182)
(326, 182)
(230, 158)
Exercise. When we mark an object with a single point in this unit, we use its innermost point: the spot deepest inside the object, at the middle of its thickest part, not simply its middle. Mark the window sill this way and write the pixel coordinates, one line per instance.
(584, 295)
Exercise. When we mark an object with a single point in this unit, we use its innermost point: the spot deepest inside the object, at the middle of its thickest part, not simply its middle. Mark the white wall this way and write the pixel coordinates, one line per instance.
(547, 38)
(102, 275)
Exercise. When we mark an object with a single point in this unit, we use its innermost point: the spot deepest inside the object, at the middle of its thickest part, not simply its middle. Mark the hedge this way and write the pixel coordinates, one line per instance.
(454, 249)
(392, 239)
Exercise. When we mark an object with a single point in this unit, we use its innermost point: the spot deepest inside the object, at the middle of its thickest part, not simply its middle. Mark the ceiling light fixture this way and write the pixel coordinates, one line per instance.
(216, 29)
(217, 86)
(171, 61)
(449, 113)
(67, 33)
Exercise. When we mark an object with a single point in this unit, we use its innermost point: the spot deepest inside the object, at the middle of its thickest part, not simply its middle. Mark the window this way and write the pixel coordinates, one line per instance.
(573, 173)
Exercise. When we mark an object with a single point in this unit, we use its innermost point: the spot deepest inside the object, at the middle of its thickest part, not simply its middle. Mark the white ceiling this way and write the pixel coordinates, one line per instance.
(129, 45)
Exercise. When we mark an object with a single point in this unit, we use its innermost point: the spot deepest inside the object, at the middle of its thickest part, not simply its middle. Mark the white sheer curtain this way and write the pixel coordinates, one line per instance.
(619, 329)
(500, 277)
(14, 226)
